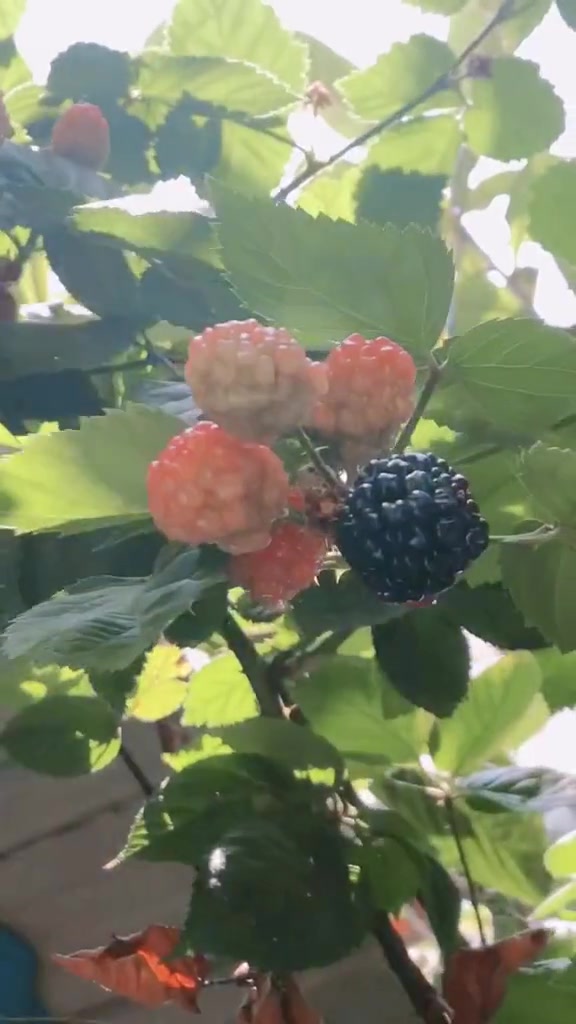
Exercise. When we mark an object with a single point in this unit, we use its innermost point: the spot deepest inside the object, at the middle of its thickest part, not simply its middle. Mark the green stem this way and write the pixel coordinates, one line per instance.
(253, 666)
(542, 535)
(325, 471)
(430, 384)
(438, 85)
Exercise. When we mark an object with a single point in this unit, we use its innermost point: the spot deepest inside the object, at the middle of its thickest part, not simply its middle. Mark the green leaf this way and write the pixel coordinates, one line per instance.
(425, 656)
(330, 278)
(37, 347)
(231, 85)
(74, 480)
(63, 735)
(480, 727)
(219, 694)
(390, 873)
(513, 113)
(342, 700)
(558, 678)
(333, 193)
(504, 38)
(488, 612)
(552, 210)
(143, 223)
(161, 686)
(518, 375)
(549, 474)
(97, 278)
(542, 581)
(424, 145)
(395, 197)
(292, 746)
(12, 11)
(504, 852)
(106, 622)
(339, 602)
(441, 900)
(560, 903)
(560, 858)
(23, 683)
(567, 8)
(399, 77)
(295, 889)
(545, 991)
(254, 155)
(245, 30)
(89, 71)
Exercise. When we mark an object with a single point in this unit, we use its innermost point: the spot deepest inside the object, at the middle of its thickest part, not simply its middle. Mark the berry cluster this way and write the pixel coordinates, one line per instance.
(254, 381)
(410, 527)
(370, 393)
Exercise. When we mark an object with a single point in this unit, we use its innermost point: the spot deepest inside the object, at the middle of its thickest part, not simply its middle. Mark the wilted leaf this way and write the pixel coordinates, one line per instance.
(474, 983)
(142, 968)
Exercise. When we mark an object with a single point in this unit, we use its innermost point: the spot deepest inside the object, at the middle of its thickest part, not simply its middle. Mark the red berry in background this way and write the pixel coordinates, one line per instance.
(288, 565)
(8, 307)
(82, 134)
(370, 394)
(255, 381)
(208, 487)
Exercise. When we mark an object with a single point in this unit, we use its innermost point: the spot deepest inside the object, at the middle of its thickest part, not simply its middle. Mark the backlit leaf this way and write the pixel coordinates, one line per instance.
(63, 735)
(219, 694)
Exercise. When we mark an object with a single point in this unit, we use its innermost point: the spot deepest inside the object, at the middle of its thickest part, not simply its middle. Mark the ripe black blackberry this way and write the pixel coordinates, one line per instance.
(409, 527)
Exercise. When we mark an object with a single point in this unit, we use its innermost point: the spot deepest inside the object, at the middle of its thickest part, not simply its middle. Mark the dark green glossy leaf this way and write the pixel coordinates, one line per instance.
(49, 348)
(488, 612)
(542, 581)
(63, 735)
(339, 602)
(97, 278)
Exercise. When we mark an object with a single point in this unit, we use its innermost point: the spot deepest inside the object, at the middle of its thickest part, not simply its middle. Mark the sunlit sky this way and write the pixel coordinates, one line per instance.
(360, 30)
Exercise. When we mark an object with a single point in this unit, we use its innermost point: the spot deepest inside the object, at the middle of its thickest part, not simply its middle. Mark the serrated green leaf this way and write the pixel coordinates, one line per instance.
(219, 694)
(89, 71)
(332, 193)
(292, 746)
(144, 224)
(97, 278)
(567, 8)
(466, 25)
(245, 30)
(396, 197)
(425, 145)
(480, 727)
(161, 686)
(252, 158)
(339, 601)
(106, 622)
(425, 657)
(342, 700)
(549, 474)
(558, 678)
(560, 858)
(324, 279)
(29, 347)
(542, 581)
(518, 375)
(400, 77)
(232, 85)
(488, 612)
(23, 683)
(546, 991)
(513, 113)
(552, 210)
(63, 735)
(73, 480)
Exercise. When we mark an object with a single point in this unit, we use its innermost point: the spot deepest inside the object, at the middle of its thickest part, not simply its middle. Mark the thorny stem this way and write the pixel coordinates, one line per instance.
(253, 666)
(443, 81)
(453, 825)
(325, 471)
(136, 772)
(430, 384)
